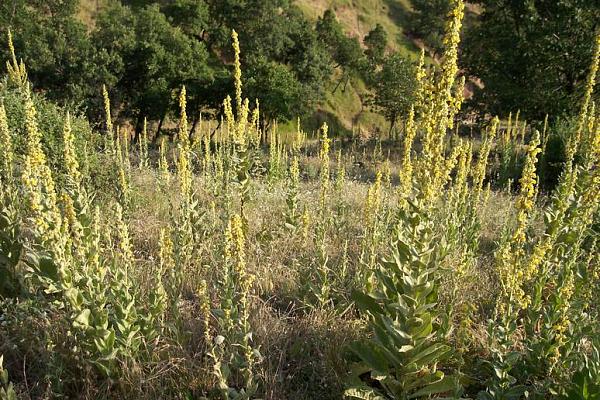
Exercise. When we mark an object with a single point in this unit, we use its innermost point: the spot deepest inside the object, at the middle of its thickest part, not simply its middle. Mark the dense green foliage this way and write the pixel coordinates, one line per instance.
(531, 55)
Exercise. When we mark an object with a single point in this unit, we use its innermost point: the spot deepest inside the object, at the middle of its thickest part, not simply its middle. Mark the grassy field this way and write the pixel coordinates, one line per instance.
(257, 265)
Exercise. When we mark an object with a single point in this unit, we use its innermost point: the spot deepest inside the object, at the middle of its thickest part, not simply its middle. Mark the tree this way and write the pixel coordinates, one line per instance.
(428, 20)
(154, 59)
(393, 88)
(277, 89)
(376, 42)
(345, 51)
(59, 56)
(531, 55)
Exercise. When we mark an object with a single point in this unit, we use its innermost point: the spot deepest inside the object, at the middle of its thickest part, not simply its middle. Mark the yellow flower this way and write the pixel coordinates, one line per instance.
(6, 148)
(70, 157)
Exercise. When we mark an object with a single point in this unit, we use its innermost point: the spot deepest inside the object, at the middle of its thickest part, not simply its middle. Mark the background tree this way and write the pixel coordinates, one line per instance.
(393, 88)
(376, 43)
(427, 21)
(531, 55)
(154, 59)
(346, 52)
(277, 89)
(59, 55)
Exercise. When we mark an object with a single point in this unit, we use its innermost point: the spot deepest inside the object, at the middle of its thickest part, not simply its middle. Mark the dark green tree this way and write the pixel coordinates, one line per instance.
(376, 42)
(345, 51)
(279, 92)
(531, 55)
(59, 55)
(153, 60)
(428, 20)
(393, 88)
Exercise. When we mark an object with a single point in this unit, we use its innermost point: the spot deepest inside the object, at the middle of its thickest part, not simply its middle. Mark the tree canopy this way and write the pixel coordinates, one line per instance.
(532, 55)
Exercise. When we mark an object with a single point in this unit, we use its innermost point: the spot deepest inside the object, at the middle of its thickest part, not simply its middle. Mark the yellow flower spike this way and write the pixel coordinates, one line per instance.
(124, 242)
(528, 190)
(237, 72)
(69, 154)
(205, 310)
(6, 148)
(184, 172)
(451, 41)
(587, 98)
(324, 176)
(17, 72)
(163, 163)
(38, 184)
(109, 125)
(481, 166)
(406, 172)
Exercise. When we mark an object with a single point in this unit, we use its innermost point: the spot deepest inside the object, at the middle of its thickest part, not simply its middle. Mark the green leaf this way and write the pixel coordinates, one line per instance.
(371, 355)
(446, 384)
(366, 303)
(363, 393)
(83, 319)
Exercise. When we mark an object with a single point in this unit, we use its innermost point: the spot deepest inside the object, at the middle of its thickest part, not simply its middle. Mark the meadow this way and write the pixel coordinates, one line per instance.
(238, 263)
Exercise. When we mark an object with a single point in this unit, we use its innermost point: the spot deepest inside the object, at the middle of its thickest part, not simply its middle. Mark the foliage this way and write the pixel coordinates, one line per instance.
(408, 343)
(393, 88)
(539, 65)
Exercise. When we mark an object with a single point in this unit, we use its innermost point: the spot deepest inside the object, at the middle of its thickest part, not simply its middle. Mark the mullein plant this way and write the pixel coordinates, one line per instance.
(164, 175)
(143, 146)
(556, 323)
(371, 234)
(6, 152)
(400, 360)
(292, 216)
(187, 216)
(109, 143)
(241, 136)
(17, 72)
(233, 353)
(511, 252)
(319, 282)
(41, 199)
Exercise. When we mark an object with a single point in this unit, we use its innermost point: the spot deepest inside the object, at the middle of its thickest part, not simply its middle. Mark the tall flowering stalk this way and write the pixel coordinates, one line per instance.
(109, 135)
(163, 164)
(406, 172)
(237, 72)
(292, 218)
(371, 232)
(143, 144)
(184, 171)
(482, 162)
(40, 193)
(121, 167)
(6, 150)
(17, 73)
(233, 347)
(440, 110)
(509, 256)
(70, 156)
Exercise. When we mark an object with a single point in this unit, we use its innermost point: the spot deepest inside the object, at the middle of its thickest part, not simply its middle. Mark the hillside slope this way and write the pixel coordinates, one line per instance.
(346, 110)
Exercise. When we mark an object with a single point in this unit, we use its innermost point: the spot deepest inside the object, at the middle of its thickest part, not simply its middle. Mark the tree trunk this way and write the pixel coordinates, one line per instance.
(346, 83)
(138, 128)
(216, 128)
(196, 119)
(160, 123)
(337, 85)
(392, 124)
